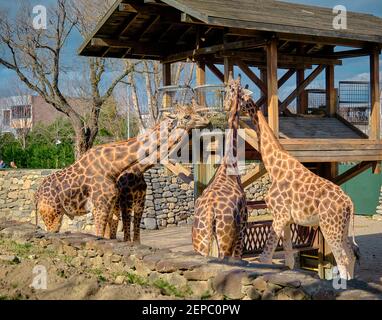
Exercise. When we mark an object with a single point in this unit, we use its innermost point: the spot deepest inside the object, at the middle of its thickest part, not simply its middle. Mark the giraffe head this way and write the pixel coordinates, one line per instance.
(52, 219)
(187, 118)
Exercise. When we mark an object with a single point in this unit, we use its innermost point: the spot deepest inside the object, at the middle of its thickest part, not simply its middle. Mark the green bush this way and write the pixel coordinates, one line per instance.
(41, 150)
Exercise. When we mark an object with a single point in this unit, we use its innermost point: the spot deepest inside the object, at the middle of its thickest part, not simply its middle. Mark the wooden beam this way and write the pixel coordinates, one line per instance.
(286, 76)
(283, 58)
(201, 80)
(263, 97)
(137, 47)
(150, 24)
(302, 87)
(352, 172)
(179, 170)
(249, 44)
(253, 175)
(215, 71)
(330, 92)
(349, 53)
(166, 78)
(250, 136)
(300, 77)
(375, 113)
(128, 24)
(228, 69)
(251, 75)
(272, 96)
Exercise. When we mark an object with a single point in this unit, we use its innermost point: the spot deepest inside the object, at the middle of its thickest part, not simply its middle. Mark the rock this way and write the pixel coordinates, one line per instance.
(10, 259)
(119, 280)
(150, 223)
(229, 284)
(259, 284)
(75, 288)
(289, 293)
(253, 294)
(320, 290)
(284, 279)
(201, 273)
(96, 262)
(69, 251)
(268, 295)
(78, 261)
(200, 288)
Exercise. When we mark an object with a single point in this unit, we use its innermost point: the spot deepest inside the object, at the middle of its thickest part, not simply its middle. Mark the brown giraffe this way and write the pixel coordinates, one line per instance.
(90, 184)
(221, 211)
(299, 196)
(132, 187)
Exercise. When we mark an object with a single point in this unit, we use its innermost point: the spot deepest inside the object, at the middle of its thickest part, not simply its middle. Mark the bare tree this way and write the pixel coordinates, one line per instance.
(37, 57)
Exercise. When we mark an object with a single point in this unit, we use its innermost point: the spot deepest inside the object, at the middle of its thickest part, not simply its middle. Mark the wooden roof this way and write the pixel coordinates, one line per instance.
(160, 30)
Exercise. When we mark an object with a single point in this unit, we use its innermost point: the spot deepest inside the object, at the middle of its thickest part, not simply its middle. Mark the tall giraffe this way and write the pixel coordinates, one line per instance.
(299, 196)
(221, 211)
(90, 183)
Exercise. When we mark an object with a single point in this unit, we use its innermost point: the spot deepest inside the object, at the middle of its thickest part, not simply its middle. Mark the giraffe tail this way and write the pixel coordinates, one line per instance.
(355, 246)
(351, 208)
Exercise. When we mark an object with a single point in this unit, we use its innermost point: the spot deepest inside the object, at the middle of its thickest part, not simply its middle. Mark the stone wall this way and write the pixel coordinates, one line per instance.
(169, 201)
(82, 266)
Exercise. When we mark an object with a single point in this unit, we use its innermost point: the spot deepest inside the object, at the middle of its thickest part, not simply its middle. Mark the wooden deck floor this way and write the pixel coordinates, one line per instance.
(322, 140)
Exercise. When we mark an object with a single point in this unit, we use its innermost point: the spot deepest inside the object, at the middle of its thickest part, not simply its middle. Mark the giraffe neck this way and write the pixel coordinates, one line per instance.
(230, 157)
(268, 143)
(144, 151)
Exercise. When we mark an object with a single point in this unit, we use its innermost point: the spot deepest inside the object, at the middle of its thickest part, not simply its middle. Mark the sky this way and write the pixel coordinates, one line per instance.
(352, 69)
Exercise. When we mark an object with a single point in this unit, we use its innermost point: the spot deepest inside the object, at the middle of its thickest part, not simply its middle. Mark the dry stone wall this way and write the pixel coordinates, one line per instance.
(169, 200)
(124, 271)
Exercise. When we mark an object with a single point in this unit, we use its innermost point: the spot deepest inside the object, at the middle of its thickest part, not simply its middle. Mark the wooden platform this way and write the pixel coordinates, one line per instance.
(322, 140)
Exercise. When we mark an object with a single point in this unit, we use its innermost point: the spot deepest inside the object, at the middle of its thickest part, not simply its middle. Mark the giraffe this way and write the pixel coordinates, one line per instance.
(130, 204)
(221, 211)
(299, 196)
(90, 184)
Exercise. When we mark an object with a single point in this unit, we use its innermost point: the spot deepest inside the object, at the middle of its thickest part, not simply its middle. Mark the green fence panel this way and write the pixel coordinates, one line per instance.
(364, 190)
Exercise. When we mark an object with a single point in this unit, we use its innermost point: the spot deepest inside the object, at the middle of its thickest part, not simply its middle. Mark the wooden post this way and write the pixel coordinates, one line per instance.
(272, 83)
(330, 91)
(375, 114)
(300, 77)
(263, 77)
(201, 80)
(228, 68)
(166, 75)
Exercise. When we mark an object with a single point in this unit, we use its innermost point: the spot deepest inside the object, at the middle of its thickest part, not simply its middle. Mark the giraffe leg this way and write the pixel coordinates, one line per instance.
(139, 206)
(337, 238)
(101, 218)
(112, 226)
(288, 248)
(126, 212)
(239, 246)
(278, 226)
